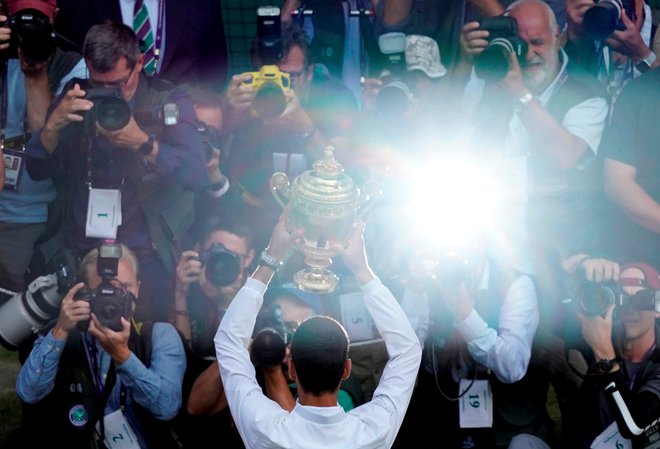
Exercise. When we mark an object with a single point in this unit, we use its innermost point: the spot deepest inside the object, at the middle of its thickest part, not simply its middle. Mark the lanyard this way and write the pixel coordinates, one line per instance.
(159, 31)
(3, 99)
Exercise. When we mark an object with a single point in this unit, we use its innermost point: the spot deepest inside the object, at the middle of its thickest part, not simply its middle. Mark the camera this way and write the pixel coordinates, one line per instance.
(109, 302)
(27, 312)
(270, 338)
(451, 270)
(269, 84)
(210, 138)
(604, 17)
(158, 114)
(492, 64)
(393, 98)
(593, 298)
(32, 32)
(110, 109)
(222, 266)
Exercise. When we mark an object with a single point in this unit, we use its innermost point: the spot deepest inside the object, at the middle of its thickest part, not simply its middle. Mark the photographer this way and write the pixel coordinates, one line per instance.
(613, 54)
(135, 183)
(32, 70)
(319, 361)
(545, 121)
(116, 364)
(623, 339)
(315, 110)
(477, 317)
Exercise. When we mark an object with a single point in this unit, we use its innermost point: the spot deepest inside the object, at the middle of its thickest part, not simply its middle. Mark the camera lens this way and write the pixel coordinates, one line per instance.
(492, 64)
(595, 298)
(223, 268)
(269, 101)
(600, 20)
(112, 113)
(451, 271)
(392, 99)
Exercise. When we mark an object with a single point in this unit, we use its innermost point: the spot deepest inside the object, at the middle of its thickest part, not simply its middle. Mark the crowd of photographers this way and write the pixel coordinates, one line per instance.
(135, 203)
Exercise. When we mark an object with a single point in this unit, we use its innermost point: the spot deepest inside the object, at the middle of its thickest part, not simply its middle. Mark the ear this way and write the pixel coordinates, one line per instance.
(309, 72)
(348, 365)
(292, 371)
(139, 63)
(249, 259)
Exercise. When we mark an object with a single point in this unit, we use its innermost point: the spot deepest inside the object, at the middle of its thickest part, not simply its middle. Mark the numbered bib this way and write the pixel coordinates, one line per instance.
(475, 408)
(611, 439)
(118, 432)
(103, 213)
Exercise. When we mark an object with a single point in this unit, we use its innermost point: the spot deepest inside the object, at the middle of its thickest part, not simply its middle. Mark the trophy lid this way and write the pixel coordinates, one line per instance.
(326, 182)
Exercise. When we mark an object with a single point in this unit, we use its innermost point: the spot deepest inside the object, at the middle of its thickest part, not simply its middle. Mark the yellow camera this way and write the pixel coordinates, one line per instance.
(269, 84)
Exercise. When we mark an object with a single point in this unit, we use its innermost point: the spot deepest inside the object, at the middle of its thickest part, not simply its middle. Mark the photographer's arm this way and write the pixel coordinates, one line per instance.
(622, 188)
(37, 375)
(207, 396)
(67, 111)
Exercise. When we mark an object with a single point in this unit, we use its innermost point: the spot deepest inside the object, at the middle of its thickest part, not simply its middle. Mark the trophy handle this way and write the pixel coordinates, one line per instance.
(369, 193)
(279, 187)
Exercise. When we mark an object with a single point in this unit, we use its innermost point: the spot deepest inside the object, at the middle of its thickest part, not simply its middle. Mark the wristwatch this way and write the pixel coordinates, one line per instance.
(602, 366)
(522, 102)
(269, 261)
(147, 147)
(647, 63)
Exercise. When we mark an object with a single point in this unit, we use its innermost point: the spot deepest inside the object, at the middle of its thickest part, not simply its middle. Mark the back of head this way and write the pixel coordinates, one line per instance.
(106, 43)
(319, 349)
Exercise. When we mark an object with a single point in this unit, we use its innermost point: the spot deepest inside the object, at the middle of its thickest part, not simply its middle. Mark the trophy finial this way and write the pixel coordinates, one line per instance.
(328, 166)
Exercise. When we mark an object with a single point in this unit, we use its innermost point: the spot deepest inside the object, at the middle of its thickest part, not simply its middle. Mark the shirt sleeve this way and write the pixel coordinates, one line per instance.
(37, 375)
(157, 388)
(508, 349)
(587, 121)
(247, 403)
(398, 380)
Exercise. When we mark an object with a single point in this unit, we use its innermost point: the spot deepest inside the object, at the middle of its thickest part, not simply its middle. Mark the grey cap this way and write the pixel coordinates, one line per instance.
(422, 53)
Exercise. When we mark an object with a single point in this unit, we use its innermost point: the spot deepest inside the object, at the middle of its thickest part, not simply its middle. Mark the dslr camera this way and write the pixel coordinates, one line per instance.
(593, 298)
(492, 64)
(269, 82)
(32, 32)
(221, 265)
(110, 109)
(394, 96)
(270, 338)
(109, 301)
(601, 19)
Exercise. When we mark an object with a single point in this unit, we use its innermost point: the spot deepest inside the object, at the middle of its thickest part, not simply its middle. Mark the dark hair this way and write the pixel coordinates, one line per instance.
(221, 222)
(292, 36)
(204, 97)
(106, 43)
(319, 349)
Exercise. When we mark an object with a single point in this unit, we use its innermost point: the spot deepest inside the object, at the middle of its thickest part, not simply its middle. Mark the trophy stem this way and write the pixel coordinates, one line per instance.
(316, 280)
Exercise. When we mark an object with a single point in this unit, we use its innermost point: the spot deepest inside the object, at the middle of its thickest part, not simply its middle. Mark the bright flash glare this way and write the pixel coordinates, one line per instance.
(451, 201)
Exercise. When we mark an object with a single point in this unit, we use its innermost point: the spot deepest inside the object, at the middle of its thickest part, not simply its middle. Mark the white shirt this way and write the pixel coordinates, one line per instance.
(262, 423)
(505, 350)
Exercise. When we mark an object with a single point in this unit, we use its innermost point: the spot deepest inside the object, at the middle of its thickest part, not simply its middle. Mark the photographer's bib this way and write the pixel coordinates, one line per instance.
(611, 439)
(103, 213)
(475, 407)
(118, 432)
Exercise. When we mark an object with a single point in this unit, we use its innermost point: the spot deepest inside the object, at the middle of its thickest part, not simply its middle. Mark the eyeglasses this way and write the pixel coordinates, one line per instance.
(114, 83)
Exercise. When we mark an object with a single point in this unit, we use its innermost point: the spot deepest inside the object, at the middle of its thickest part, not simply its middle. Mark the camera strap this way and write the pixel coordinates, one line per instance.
(4, 63)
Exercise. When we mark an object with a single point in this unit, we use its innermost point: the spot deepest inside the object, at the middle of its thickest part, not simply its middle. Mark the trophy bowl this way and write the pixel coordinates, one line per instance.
(326, 204)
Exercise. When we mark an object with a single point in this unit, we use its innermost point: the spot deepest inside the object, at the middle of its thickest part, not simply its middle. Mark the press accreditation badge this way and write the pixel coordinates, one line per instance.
(475, 407)
(118, 432)
(103, 213)
(14, 164)
(611, 439)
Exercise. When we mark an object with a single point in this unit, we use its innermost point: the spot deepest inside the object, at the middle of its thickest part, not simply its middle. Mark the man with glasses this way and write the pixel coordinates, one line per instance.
(135, 184)
(319, 111)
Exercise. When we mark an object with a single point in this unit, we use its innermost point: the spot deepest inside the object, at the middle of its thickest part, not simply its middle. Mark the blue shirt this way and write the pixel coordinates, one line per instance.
(157, 388)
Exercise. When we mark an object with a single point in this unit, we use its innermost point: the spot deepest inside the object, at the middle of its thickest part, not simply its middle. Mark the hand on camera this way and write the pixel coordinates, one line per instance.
(599, 270)
(130, 136)
(239, 94)
(597, 332)
(68, 109)
(115, 343)
(5, 33)
(188, 270)
(628, 42)
(473, 40)
(514, 82)
(71, 313)
(213, 172)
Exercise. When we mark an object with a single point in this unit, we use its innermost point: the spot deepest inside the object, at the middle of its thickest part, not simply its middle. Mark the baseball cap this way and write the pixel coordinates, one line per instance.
(310, 299)
(47, 7)
(651, 277)
(423, 53)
